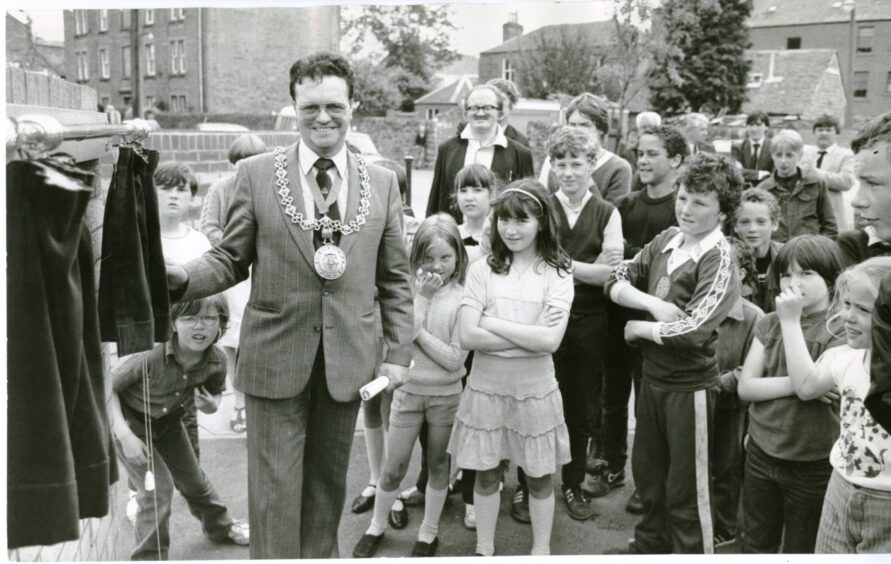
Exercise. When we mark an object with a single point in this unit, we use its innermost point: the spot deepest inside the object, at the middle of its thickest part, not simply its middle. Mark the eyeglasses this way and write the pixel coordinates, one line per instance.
(486, 108)
(313, 110)
(194, 319)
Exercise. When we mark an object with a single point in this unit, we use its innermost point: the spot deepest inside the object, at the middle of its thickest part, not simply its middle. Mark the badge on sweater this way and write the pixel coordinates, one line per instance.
(662, 287)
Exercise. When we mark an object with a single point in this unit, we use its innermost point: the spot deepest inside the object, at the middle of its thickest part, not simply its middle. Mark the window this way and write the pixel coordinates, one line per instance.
(755, 80)
(793, 43)
(83, 67)
(150, 59)
(178, 56)
(125, 19)
(103, 20)
(149, 17)
(126, 63)
(432, 113)
(888, 84)
(507, 70)
(861, 79)
(178, 103)
(177, 14)
(80, 22)
(864, 39)
(104, 67)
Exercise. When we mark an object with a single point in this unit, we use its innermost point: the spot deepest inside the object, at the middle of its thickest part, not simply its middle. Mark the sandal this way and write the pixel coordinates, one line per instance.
(238, 423)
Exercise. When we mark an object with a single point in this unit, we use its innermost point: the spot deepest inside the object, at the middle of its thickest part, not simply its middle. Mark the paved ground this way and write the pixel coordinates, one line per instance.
(224, 458)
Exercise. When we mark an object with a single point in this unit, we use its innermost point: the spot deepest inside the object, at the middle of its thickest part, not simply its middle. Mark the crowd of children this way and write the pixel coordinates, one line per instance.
(742, 324)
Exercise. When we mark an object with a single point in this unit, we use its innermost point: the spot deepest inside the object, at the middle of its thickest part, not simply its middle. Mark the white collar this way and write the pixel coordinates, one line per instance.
(702, 247)
(827, 149)
(759, 142)
(564, 200)
(873, 238)
(499, 139)
(307, 159)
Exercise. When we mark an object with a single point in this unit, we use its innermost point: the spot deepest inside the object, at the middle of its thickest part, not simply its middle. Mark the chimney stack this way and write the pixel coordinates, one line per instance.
(511, 28)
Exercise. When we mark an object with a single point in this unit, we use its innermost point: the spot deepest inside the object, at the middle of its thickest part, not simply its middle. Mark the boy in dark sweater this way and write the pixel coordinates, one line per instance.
(644, 214)
(872, 163)
(591, 232)
(687, 281)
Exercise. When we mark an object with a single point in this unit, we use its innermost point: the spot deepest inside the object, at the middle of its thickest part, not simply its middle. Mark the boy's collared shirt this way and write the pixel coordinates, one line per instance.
(477, 153)
(307, 158)
(873, 239)
(168, 384)
(572, 214)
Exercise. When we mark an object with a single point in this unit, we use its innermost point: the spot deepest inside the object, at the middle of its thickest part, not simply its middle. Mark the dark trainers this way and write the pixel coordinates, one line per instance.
(601, 483)
(635, 504)
(519, 507)
(578, 504)
(595, 460)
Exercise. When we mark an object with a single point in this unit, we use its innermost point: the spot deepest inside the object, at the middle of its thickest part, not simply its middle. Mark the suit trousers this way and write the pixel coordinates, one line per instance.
(670, 462)
(298, 455)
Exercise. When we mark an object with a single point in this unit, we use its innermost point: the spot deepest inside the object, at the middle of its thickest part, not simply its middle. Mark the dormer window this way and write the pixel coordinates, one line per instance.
(755, 80)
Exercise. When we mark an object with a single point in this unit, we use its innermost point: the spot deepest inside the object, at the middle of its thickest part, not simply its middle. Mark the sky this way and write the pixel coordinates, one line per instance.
(479, 25)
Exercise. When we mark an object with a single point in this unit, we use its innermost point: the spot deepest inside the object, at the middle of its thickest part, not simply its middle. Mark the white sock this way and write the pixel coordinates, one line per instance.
(374, 446)
(383, 501)
(541, 511)
(433, 503)
(486, 507)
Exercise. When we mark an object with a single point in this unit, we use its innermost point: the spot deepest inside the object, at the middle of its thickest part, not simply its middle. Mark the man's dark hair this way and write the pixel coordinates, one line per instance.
(707, 172)
(319, 65)
(758, 117)
(595, 108)
(172, 174)
(672, 139)
(826, 120)
(874, 131)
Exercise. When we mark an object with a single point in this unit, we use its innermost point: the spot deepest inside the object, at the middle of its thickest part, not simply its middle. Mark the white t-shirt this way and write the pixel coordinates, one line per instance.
(180, 250)
(862, 453)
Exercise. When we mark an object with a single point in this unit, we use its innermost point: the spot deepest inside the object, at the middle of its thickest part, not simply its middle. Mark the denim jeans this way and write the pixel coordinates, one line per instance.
(782, 501)
(175, 467)
(855, 519)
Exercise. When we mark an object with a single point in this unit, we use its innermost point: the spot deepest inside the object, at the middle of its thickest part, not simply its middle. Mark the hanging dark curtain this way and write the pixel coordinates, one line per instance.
(60, 461)
(134, 308)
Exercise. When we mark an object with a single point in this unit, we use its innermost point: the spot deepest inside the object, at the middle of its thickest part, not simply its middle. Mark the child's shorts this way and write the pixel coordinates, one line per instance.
(410, 410)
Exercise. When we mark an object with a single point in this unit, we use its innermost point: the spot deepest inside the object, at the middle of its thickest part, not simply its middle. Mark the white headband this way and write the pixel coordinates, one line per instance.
(525, 193)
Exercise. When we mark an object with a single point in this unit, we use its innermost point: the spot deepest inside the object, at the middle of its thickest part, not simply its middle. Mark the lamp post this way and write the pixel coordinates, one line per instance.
(850, 7)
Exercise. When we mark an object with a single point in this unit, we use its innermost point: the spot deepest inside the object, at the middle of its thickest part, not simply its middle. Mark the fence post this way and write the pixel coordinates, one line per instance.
(408, 161)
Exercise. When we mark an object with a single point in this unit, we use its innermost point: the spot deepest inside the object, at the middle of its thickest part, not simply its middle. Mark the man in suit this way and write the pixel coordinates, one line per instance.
(482, 141)
(307, 337)
(510, 96)
(834, 164)
(753, 154)
(695, 132)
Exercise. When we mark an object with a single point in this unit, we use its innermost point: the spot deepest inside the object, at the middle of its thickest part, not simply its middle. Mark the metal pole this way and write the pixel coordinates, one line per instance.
(408, 161)
(849, 107)
(135, 75)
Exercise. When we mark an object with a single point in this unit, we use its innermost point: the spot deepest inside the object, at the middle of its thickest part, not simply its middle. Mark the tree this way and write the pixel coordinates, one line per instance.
(413, 38)
(558, 61)
(630, 62)
(376, 87)
(705, 69)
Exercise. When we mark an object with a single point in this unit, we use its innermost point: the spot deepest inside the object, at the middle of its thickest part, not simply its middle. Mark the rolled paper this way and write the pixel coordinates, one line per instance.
(149, 481)
(374, 387)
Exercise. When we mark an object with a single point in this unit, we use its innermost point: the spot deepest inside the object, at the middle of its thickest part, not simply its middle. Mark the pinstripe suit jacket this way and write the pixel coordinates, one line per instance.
(291, 308)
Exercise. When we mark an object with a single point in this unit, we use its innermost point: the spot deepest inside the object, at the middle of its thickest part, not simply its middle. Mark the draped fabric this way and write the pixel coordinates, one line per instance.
(134, 307)
(59, 446)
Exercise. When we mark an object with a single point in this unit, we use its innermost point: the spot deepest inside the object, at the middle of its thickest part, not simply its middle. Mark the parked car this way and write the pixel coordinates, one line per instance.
(286, 120)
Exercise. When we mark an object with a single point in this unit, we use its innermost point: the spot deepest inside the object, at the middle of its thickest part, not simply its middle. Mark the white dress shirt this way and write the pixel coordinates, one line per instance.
(307, 158)
(479, 153)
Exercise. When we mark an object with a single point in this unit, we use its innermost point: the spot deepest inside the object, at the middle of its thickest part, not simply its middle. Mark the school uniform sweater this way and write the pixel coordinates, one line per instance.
(644, 217)
(438, 357)
(584, 243)
(706, 289)
(860, 245)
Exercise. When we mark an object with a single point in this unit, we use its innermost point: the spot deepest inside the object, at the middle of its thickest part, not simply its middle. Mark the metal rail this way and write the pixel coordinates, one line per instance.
(34, 134)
